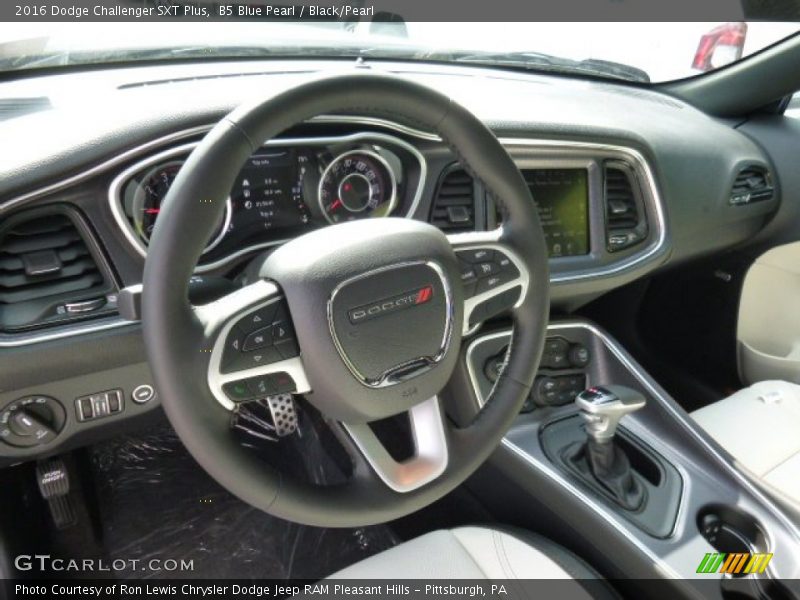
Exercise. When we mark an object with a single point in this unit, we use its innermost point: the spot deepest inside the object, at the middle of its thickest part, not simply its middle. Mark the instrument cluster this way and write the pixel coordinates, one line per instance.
(283, 190)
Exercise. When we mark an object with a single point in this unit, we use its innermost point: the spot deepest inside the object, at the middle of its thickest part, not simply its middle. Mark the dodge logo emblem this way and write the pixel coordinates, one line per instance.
(390, 305)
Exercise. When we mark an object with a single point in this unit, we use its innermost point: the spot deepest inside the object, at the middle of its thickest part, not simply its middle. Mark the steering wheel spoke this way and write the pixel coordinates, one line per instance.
(254, 351)
(430, 454)
(493, 276)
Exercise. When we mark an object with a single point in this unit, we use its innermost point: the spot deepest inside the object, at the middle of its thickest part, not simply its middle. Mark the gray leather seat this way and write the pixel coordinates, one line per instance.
(479, 553)
(760, 427)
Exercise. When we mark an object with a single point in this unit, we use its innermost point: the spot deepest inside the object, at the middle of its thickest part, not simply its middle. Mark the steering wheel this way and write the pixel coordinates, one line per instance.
(377, 309)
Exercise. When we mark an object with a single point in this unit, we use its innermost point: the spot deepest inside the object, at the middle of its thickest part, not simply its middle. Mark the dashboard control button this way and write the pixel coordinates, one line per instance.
(85, 409)
(100, 405)
(115, 401)
(23, 423)
(620, 241)
(258, 339)
(557, 390)
(143, 393)
(31, 421)
(579, 355)
(556, 353)
(545, 390)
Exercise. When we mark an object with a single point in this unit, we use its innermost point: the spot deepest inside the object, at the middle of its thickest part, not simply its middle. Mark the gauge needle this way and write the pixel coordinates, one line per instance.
(336, 204)
(152, 211)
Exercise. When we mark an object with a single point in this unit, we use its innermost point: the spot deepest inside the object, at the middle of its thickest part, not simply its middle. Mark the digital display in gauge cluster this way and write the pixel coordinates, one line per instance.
(280, 192)
(268, 193)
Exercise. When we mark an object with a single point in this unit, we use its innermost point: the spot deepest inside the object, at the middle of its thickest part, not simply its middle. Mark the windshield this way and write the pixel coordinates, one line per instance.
(643, 52)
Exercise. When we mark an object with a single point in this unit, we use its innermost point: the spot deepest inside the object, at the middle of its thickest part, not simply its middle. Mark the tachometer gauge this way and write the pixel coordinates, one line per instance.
(149, 195)
(358, 184)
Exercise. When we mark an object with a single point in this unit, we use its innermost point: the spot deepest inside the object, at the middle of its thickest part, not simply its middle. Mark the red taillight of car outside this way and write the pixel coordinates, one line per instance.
(720, 46)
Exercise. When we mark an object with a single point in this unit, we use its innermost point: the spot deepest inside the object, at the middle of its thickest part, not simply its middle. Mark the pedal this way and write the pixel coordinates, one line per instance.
(53, 480)
(269, 418)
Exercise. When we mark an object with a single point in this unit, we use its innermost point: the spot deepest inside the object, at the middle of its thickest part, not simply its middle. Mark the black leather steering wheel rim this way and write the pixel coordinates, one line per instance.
(176, 339)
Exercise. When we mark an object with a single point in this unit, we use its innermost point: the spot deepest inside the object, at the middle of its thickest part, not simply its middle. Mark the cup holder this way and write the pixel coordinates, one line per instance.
(732, 532)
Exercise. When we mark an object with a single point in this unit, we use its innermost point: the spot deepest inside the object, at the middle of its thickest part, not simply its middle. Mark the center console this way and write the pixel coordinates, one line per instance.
(618, 459)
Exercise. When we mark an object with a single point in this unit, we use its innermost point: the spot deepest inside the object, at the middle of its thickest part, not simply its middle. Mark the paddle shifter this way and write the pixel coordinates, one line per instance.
(601, 409)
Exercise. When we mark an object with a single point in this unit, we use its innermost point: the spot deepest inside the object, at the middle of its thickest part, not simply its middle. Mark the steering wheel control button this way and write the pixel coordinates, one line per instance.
(258, 339)
(258, 319)
(238, 391)
(487, 269)
(283, 383)
(143, 394)
(282, 328)
(261, 386)
(31, 421)
(234, 342)
(491, 282)
(484, 270)
(262, 337)
(477, 255)
(468, 278)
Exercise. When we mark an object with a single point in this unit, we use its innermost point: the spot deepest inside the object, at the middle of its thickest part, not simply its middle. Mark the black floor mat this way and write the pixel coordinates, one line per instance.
(155, 502)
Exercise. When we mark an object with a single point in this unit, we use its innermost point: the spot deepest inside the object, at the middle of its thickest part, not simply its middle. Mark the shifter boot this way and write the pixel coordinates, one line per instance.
(611, 468)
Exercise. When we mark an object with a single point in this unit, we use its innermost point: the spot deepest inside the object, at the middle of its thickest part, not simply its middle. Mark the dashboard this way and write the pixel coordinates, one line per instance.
(292, 186)
(626, 182)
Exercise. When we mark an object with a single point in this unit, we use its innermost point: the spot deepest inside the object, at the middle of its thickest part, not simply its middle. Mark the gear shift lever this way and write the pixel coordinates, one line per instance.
(601, 409)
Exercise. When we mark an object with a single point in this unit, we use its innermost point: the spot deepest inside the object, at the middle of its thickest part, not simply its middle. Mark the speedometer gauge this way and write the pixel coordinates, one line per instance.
(150, 194)
(358, 184)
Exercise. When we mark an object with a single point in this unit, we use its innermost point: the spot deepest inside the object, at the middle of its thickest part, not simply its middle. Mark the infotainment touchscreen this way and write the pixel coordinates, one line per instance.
(562, 197)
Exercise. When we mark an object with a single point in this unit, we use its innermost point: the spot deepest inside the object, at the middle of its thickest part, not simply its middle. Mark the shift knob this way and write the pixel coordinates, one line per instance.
(603, 406)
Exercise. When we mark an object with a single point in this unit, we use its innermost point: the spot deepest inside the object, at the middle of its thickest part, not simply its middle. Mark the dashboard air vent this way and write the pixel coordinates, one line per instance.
(49, 272)
(625, 222)
(454, 204)
(752, 184)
